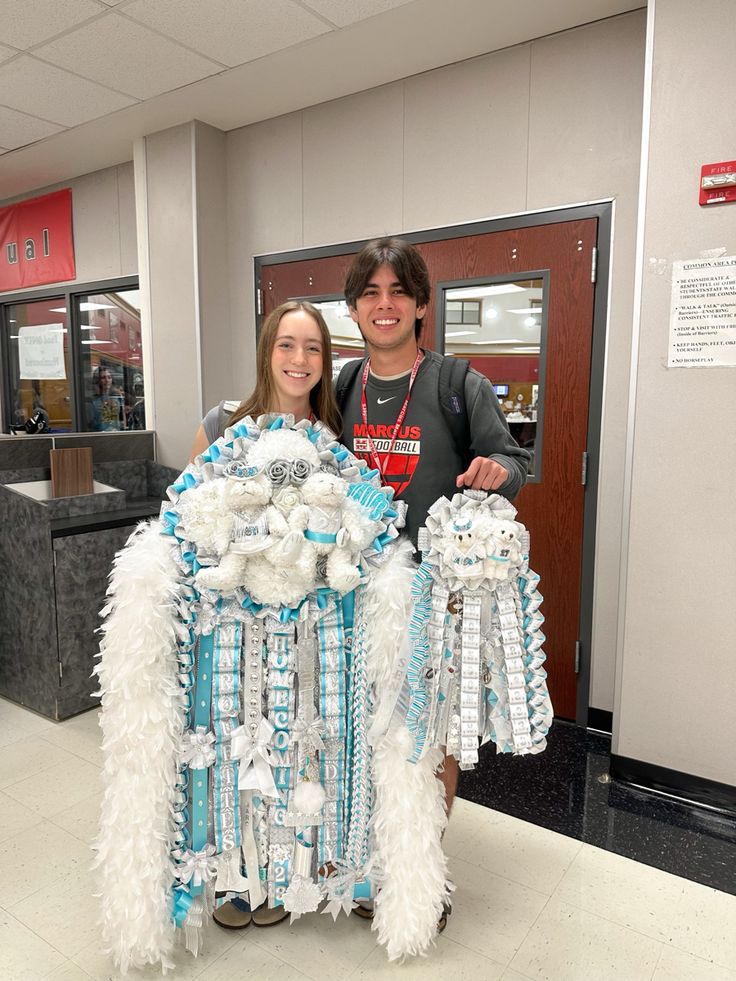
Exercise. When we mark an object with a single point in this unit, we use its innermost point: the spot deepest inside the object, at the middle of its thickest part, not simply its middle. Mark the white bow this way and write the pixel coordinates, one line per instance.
(196, 867)
(255, 771)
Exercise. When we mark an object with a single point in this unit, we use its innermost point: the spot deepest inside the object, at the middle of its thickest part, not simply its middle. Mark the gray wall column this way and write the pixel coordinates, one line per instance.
(182, 246)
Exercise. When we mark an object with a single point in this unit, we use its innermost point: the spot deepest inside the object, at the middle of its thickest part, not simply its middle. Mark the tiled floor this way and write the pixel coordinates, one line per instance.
(530, 903)
(567, 789)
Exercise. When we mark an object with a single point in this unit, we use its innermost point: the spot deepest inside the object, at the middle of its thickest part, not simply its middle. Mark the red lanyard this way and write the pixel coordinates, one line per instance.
(381, 467)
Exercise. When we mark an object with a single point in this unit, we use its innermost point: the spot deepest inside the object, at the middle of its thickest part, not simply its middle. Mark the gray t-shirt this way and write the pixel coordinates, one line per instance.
(425, 460)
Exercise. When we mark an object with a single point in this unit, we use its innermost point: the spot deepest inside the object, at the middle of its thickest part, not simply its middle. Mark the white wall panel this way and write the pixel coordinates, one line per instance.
(97, 227)
(465, 150)
(353, 166)
(264, 214)
(126, 216)
(585, 110)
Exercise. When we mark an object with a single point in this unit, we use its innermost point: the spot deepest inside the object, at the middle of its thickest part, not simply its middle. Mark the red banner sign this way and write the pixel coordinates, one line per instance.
(36, 242)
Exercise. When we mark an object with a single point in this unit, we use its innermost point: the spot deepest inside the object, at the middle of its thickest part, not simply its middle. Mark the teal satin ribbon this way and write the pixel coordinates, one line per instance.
(348, 609)
(182, 901)
(288, 613)
(198, 790)
(362, 890)
(323, 537)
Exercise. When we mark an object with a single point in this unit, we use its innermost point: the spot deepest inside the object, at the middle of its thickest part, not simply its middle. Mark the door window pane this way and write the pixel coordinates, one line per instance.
(347, 343)
(112, 361)
(506, 345)
(38, 366)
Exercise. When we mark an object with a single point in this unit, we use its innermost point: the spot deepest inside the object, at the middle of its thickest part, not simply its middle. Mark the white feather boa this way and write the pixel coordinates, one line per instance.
(409, 815)
(142, 725)
(142, 728)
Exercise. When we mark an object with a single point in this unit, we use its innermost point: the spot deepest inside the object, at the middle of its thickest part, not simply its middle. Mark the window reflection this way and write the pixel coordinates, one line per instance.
(38, 367)
(112, 361)
(347, 343)
(504, 345)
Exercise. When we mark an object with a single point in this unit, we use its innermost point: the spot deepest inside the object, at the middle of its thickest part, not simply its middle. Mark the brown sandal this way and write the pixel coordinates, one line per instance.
(267, 916)
(233, 915)
(446, 910)
(364, 912)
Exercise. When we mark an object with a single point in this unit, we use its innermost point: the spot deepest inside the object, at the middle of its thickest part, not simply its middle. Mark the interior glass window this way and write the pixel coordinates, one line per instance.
(38, 371)
(112, 361)
(501, 333)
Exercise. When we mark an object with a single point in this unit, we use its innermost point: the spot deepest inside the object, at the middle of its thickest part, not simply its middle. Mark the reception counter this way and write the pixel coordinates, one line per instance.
(55, 558)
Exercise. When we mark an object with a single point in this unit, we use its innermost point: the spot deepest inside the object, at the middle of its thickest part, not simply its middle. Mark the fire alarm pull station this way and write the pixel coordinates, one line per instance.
(718, 183)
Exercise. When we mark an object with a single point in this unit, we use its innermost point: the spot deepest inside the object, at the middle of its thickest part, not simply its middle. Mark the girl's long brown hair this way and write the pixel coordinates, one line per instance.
(322, 396)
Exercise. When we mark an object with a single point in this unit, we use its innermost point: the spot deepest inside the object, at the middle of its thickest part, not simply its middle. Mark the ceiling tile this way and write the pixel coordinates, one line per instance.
(145, 64)
(25, 24)
(42, 90)
(18, 129)
(231, 31)
(6, 53)
(342, 13)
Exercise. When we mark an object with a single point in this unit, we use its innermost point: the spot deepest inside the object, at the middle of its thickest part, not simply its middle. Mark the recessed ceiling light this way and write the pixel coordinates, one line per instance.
(477, 292)
(504, 340)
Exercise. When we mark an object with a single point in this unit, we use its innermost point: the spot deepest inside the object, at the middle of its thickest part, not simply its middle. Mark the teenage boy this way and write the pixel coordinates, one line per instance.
(393, 416)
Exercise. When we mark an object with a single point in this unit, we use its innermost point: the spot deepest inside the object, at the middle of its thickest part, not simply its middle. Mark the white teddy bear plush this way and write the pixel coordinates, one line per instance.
(326, 533)
(276, 516)
(263, 508)
(211, 511)
(504, 555)
(250, 524)
(466, 547)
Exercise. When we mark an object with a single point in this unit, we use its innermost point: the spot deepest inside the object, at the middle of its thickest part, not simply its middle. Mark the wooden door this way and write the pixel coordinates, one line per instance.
(551, 505)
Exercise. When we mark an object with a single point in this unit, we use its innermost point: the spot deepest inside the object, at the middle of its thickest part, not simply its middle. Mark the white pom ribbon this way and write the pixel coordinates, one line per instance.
(198, 749)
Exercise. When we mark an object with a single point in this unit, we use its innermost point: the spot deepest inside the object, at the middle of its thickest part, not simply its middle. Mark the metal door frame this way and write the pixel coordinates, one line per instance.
(603, 211)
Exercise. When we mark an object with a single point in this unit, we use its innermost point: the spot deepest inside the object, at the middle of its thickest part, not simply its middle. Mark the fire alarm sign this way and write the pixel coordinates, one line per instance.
(718, 183)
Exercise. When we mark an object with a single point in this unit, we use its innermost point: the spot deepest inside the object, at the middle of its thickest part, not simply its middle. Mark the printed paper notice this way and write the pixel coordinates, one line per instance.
(703, 313)
(41, 352)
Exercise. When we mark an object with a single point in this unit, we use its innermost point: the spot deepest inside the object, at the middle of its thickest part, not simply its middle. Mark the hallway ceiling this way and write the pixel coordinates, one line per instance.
(80, 80)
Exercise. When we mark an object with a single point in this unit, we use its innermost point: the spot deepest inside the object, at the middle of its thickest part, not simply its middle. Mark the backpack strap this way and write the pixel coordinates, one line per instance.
(345, 381)
(451, 392)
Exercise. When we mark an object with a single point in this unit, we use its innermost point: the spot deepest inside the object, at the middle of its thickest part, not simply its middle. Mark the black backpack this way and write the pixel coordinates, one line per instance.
(450, 393)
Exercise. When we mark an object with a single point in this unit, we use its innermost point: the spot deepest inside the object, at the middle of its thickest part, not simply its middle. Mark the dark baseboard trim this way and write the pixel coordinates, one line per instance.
(600, 720)
(686, 786)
